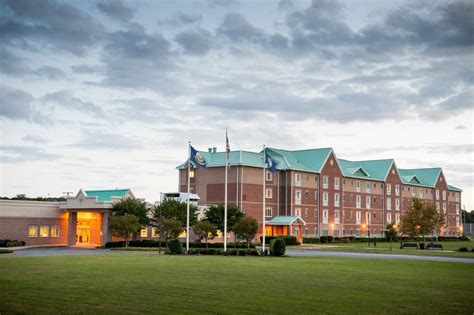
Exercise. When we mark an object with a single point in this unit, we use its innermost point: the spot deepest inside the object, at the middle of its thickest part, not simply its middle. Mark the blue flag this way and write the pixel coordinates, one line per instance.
(197, 158)
(271, 163)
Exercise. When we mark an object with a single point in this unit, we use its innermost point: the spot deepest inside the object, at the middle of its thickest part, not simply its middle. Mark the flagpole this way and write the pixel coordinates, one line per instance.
(187, 206)
(263, 203)
(225, 191)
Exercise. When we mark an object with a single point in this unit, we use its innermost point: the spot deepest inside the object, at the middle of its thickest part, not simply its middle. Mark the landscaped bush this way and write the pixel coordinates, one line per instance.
(278, 247)
(175, 247)
(323, 239)
(330, 239)
(232, 252)
(463, 249)
(116, 244)
(153, 243)
(464, 238)
(311, 240)
(11, 243)
(290, 240)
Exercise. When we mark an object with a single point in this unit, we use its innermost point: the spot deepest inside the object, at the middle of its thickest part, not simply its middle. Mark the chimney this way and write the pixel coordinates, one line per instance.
(214, 150)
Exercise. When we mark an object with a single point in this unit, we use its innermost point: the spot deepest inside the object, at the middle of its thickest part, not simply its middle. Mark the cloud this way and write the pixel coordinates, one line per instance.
(34, 138)
(195, 42)
(83, 68)
(181, 19)
(16, 104)
(50, 73)
(16, 154)
(43, 23)
(116, 9)
(236, 28)
(67, 100)
(101, 140)
(12, 64)
(461, 127)
(222, 3)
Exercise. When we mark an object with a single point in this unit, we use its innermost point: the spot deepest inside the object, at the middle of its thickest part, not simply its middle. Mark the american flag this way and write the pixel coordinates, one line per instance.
(227, 148)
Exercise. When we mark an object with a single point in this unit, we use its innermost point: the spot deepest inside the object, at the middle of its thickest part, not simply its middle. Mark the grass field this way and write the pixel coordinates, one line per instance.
(145, 283)
(450, 249)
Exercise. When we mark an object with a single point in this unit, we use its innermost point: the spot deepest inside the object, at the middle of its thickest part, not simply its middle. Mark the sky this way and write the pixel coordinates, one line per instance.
(107, 94)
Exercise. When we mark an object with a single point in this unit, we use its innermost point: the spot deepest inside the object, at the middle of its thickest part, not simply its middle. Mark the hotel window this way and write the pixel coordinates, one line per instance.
(44, 231)
(367, 187)
(358, 233)
(337, 183)
(306, 195)
(269, 176)
(336, 200)
(358, 217)
(268, 212)
(358, 201)
(298, 212)
(367, 202)
(389, 204)
(144, 232)
(154, 232)
(337, 219)
(32, 231)
(444, 194)
(397, 218)
(389, 217)
(367, 217)
(297, 179)
(305, 212)
(457, 196)
(325, 232)
(444, 206)
(437, 194)
(358, 186)
(269, 193)
(413, 191)
(437, 206)
(54, 231)
(298, 197)
(457, 209)
(389, 189)
(191, 174)
(336, 233)
(325, 216)
(397, 204)
(421, 193)
(397, 190)
(325, 182)
(325, 199)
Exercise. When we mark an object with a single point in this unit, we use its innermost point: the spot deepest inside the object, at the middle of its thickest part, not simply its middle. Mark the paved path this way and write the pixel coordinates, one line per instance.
(320, 253)
(58, 251)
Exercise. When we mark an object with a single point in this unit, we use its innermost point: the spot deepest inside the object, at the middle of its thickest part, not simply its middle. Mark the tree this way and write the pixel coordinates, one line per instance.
(391, 233)
(124, 226)
(171, 229)
(246, 228)
(205, 230)
(175, 210)
(132, 206)
(468, 217)
(215, 215)
(421, 219)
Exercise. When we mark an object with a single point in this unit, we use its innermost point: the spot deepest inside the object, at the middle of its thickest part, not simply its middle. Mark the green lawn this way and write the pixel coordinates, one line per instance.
(145, 283)
(450, 249)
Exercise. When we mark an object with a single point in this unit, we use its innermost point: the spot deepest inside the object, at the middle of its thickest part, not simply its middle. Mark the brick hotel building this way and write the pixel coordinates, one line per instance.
(313, 193)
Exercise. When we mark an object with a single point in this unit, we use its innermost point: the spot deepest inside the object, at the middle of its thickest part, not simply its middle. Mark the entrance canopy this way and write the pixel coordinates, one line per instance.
(286, 220)
(283, 225)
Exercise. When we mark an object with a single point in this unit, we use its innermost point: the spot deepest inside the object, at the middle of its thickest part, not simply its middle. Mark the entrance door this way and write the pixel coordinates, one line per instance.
(83, 234)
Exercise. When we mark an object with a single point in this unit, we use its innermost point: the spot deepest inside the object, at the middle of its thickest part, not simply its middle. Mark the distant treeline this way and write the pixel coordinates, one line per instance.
(24, 197)
(468, 216)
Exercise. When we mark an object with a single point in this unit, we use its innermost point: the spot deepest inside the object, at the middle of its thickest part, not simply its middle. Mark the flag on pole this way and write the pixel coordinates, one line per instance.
(227, 149)
(271, 163)
(227, 153)
(197, 158)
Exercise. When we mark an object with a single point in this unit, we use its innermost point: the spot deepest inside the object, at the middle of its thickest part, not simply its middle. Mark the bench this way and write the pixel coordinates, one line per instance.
(434, 246)
(413, 245)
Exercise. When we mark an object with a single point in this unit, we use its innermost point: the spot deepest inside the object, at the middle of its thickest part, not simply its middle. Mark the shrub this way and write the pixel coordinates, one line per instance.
(116, 244)
(290, 240)
(463, 249)
(330, 239)
(323, 239)
(464, 238)
(278, 247)
(175, 247)
(242, 252)
(232, 252)
(311, 240)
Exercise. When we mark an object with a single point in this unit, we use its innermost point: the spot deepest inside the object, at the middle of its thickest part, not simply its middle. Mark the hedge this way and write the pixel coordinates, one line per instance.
(231, 252)
(175, 247)
(11, 243)
(152, 243)
(311, 240)
(278, 247)
(289, 240)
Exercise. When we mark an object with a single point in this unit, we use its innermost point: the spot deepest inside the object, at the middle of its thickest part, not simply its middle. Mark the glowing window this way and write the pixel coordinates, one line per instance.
(32, 231)
(144, 232)
(44, 231)
(54, 231)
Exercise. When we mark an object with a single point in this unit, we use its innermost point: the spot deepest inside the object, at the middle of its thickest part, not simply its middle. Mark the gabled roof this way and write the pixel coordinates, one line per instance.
(311, 160)
(420, 176)
(216, 159)
(285, 220)
(106, 195)
(371, 169)
(450, 187)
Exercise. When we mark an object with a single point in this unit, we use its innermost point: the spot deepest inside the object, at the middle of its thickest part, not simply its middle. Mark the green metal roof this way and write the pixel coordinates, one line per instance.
(371, 169)
(215, 159)
(420, 176)
(311, 160)
(284, 220)
(105, 195)
(450, 187)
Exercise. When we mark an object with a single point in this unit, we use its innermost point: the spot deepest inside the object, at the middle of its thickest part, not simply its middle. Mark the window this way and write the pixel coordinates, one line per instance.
(298, 197)
(397, 190)
(389, 217)
(437, 206)
(325, 216)
(389, 203)
(457, 196)
(269, 193)
(397, 204)
(421, 192)
(367, 187)
(154, 232)
(54, 231)
(325, 182)
(298, 212)
(305, 212)
(358, 233)
(337, 219)
(444, 206)
(358, 186)
(413, 191)
(268, 212)
(367, 202)
(297, 179)
(336, 233)
(44, 231)
(32, 231)
(397, 218)
(325, 199)
(306, 195)
(316, 195)
(457, 209)
(144, 232)
(358, 201)
(336, 200)
(389, 189)
(269, 176)
(191, 174)
(437, 194)
(367, 217)
(337, 183)
(325, 232)
(444, 194)
(358, 217)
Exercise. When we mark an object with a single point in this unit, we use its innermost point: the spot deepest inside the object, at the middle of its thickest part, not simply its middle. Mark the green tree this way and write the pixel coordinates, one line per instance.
(205, 230)
(468, 217)
(132, 206)
(215, 215)
(391, 233)
(124, 226)
(171, 229)
(246, 228)
(175, 210)
(421, 219)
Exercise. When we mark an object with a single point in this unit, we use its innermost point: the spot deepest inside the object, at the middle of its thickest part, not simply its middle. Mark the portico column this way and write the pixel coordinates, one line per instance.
(106, 236)
(72, 228)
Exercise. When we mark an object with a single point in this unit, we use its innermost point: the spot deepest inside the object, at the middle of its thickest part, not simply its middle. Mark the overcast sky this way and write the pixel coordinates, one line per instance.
(106, 94)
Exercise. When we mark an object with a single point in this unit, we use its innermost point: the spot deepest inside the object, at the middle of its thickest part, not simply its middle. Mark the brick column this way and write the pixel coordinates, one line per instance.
(106, 235)
(72, 229)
